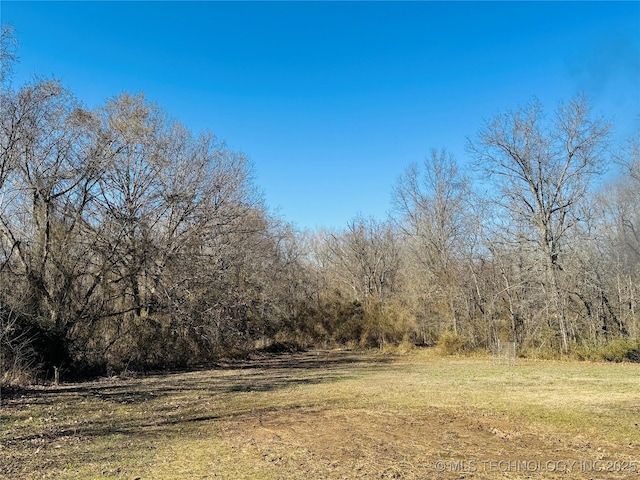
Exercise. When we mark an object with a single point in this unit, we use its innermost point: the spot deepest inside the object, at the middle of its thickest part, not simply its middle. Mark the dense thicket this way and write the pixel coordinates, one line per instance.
(126, 241)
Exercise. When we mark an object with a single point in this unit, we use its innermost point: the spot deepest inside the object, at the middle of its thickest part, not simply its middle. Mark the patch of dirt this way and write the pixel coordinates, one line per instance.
(417, 444)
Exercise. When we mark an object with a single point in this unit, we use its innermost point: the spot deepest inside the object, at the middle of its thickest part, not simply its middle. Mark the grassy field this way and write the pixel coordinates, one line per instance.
(333, 415)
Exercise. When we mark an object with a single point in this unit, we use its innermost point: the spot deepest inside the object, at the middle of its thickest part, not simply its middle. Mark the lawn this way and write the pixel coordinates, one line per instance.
(334, 415)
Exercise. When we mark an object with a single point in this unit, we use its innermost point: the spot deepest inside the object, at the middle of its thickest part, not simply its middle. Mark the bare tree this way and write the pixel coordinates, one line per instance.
(8, 57)
(618, 244)
(541, 170)
(434, 202)
(172, 213)
(45, 137)
(365, 257)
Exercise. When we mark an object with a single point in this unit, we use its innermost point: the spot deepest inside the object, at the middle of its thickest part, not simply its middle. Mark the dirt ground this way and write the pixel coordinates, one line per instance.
(420, 444)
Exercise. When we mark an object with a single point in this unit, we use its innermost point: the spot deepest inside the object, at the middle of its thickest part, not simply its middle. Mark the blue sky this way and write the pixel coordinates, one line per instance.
(332, 101)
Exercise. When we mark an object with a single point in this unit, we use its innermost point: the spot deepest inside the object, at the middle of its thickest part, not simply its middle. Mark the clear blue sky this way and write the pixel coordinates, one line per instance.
(331, 101)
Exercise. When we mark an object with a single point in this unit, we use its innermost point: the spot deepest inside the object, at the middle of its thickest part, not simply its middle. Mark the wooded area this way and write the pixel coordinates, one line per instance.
(129, 242)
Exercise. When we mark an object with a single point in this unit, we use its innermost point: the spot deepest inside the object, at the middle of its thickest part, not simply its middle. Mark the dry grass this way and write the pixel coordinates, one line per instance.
(333, 415)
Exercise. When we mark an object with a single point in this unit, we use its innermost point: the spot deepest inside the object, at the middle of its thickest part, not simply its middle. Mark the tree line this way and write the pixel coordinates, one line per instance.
(129, 242)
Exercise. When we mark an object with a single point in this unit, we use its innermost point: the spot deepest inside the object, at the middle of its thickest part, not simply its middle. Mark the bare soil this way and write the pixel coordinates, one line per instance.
(417, 444)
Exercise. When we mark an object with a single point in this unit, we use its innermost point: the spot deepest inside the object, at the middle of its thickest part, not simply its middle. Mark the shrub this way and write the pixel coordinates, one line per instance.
(387, 325)
(450, 343)
(618, 350)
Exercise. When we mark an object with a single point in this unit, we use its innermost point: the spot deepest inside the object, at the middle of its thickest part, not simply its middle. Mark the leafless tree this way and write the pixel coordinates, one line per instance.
(365, 257)
(8, 57)
(434, 203)
(541, 170)
(46, 140)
